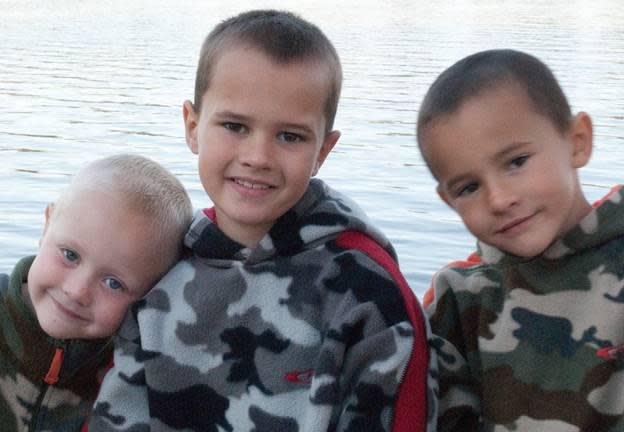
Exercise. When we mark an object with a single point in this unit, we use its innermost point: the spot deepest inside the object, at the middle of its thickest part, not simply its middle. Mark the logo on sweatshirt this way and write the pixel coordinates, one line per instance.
(300, 377)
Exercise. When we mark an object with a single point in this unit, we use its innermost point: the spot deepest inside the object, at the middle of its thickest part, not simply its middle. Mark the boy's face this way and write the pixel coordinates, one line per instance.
(95, 258)
(260, 136)
(508, 172)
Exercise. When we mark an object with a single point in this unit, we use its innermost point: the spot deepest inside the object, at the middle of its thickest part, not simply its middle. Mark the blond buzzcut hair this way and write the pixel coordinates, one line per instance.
(146, 188)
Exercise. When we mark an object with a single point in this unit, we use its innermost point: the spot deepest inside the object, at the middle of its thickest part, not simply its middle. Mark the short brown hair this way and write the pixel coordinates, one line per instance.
(487, 70)
(282, 36)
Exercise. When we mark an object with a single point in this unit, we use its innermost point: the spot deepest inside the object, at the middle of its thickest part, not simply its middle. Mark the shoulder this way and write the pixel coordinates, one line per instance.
(12, 282)
(168, 295)
(362, 260)
(463, 279)
(157, 312)
(371, 271)
(4, 283)
(464, 274)
(178, 276)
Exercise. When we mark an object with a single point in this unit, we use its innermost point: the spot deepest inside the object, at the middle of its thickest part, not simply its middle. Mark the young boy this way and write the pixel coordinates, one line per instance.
(529, 330)
(113, 232)
(276, 323)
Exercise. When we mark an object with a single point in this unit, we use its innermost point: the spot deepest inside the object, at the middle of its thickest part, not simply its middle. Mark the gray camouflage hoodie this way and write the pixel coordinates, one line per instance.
(297, 334)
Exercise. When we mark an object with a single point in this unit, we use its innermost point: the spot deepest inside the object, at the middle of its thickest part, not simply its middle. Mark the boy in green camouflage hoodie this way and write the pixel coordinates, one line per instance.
(108, 238)
(529, 330)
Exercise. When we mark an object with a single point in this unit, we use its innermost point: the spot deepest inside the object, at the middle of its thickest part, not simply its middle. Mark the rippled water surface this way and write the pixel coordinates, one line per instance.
(85, 79)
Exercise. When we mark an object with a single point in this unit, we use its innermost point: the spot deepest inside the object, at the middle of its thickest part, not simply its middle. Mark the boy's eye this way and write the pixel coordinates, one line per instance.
(70, 255)
(290, 137)
(113, 283)
(234, 127)
(467, 189)
(519, 161)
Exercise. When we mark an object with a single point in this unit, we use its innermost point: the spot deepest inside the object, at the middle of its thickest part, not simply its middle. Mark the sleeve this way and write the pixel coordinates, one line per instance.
(454, 343)
(122, 403)
(387, 375)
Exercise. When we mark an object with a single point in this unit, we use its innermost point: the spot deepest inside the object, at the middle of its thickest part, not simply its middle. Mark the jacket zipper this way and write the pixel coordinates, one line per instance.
(51, 378)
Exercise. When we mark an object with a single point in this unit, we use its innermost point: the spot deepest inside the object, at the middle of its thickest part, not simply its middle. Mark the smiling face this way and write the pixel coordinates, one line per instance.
(95, 258)
(260, 136)
(508, 172)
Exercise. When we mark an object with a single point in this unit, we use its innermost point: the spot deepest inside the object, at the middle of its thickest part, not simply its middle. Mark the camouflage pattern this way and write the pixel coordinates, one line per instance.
(532, 344)
(27, 403)
(296, 334)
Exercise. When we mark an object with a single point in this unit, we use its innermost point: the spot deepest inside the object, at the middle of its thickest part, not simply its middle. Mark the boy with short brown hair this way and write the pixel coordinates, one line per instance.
(529, 330)
(278, 321)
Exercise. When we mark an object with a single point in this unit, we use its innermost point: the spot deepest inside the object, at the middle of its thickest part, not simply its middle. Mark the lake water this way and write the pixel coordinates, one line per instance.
(85, 79)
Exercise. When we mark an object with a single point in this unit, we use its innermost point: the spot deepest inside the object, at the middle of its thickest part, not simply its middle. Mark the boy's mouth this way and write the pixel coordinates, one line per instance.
(250, 184)
(514, 225)
(69, 312)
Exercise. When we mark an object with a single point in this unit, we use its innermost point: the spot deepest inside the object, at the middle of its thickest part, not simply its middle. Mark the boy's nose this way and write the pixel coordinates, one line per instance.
(257, 151)
(501, 198)
(78, 288)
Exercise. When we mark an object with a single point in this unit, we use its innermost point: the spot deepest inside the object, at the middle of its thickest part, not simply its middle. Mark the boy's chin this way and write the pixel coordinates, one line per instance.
(58, 334)
(61, 332)
(494, 252)
(528, 252)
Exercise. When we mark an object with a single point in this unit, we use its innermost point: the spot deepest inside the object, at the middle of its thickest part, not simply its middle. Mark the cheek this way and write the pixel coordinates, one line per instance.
(110, 315)
(473, 218)
(215, 155)
(552, 183)
(37, 277)
(305, 163)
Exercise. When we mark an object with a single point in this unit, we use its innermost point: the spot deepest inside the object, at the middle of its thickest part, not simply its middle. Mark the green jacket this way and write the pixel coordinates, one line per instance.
(532, 344)
(45, 384)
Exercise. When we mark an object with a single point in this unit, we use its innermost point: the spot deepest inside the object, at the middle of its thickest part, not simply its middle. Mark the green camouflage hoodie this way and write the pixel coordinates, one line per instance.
(535, 344)
(45, 384)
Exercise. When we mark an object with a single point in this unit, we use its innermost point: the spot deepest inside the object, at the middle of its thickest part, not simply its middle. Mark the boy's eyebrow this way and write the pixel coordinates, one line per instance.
(226, 114)
(510, 148)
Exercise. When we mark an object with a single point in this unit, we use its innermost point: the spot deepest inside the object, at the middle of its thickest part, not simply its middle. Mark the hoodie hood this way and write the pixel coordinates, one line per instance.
(321, 215)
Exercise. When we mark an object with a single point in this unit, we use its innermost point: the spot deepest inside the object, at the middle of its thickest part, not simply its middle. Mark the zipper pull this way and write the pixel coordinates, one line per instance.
(52, 376)
(612, 353)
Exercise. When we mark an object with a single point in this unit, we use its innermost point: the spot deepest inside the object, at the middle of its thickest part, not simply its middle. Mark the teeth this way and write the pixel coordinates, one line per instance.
(250, 185)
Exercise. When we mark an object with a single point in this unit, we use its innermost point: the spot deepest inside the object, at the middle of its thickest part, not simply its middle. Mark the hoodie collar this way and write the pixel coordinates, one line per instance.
(321, 214)
(602, 224)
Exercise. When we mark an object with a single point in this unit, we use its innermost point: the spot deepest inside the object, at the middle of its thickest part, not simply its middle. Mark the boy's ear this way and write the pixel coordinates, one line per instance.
(190, 125)
(581, 138)
(48, 216)
(328, 144)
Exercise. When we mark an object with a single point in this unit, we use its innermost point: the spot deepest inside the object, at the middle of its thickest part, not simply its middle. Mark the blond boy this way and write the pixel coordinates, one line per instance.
(108, 238)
